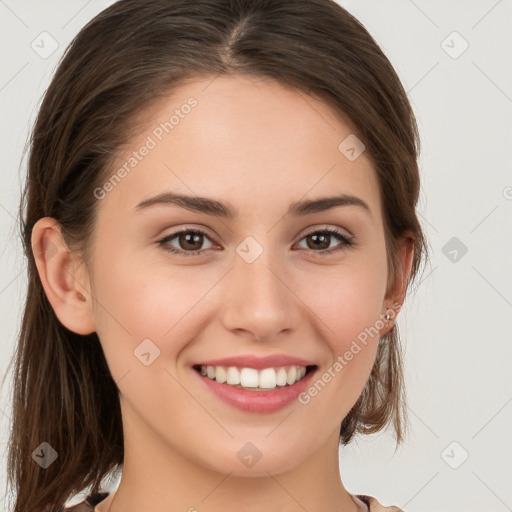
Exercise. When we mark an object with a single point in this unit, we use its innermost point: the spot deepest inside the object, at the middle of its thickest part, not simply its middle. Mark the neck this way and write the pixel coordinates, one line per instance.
(157, 477)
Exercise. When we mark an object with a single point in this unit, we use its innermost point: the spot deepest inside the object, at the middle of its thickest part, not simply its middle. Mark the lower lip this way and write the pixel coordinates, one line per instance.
(258, 401)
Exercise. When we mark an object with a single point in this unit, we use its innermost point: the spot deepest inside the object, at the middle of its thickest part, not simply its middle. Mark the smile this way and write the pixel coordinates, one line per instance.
(283, 385)
(253, 379)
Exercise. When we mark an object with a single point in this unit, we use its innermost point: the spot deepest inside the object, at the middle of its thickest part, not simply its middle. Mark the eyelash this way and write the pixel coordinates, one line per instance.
(348, 242)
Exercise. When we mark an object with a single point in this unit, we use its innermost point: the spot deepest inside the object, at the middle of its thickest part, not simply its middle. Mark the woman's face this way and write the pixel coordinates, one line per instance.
(257, 283)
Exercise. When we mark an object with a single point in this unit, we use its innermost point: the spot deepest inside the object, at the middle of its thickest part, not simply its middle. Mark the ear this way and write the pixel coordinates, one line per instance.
(396, 296)
(60, 273)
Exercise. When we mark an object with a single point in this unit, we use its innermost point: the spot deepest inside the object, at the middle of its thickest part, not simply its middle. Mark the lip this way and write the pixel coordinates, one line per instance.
(258, 401)
(258, 362)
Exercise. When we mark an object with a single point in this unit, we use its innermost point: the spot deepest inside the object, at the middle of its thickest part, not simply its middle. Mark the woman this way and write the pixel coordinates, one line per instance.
(220, 225)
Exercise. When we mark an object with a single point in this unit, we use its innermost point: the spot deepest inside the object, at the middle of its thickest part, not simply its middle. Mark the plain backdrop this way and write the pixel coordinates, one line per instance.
(455, 61)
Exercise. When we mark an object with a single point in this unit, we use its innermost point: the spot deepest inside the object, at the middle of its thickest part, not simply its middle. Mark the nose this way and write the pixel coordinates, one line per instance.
(260, 302)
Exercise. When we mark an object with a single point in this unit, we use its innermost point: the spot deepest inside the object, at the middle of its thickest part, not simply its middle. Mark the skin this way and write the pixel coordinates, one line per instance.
(260, 146)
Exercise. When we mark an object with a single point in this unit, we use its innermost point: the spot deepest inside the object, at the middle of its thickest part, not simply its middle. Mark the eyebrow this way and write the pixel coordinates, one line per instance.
(227, 211)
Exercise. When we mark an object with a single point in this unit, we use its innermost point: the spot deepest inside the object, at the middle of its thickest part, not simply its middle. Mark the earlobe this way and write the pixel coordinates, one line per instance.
(58, 271)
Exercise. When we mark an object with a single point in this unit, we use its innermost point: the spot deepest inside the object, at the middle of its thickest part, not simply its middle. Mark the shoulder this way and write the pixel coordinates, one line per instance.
(88, 504)
(375, 506)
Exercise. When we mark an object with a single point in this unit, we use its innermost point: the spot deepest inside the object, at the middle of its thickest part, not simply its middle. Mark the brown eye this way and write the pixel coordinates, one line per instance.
(320, 241)
(187, 242)
(192, 241)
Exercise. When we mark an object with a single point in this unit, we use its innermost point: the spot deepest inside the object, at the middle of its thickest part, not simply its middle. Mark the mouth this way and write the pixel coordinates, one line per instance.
(272, 378)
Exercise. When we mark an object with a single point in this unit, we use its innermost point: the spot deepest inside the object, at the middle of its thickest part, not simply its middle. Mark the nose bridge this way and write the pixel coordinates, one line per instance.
(260, 302)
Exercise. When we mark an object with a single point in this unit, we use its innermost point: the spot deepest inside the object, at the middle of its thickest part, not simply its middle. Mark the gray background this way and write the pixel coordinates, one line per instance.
(456, 328)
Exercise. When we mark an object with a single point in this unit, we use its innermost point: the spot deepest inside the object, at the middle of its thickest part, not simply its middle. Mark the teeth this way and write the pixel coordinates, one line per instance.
(268, 378)
(233, 376)
(220, 374)
(292, 375)
(282, 376)
(249, 378)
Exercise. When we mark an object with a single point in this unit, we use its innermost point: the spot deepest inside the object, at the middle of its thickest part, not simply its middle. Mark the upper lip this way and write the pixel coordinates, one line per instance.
(258, 362)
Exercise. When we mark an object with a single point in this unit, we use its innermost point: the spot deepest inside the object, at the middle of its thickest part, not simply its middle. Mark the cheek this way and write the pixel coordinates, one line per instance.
(348, 300)
(138, 302)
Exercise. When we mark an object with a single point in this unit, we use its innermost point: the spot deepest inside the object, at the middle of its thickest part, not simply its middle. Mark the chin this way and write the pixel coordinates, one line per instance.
(254, 459)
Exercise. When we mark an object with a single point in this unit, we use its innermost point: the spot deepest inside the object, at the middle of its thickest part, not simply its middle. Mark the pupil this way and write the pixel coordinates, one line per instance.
(323, 239)
(191, 238)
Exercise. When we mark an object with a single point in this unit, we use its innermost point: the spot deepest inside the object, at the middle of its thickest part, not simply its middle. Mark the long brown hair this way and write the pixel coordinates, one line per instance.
(127, 57)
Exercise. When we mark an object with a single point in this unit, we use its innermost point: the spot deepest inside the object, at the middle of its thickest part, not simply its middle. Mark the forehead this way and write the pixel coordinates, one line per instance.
(248, 140)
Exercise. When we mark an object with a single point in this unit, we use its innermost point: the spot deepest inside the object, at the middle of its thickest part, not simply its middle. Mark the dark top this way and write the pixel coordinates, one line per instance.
(88, 504)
